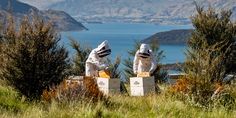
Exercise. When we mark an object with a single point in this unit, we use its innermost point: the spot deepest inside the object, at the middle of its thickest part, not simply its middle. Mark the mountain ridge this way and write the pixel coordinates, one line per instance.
(61, 20)
(172, 37)
(150, 11)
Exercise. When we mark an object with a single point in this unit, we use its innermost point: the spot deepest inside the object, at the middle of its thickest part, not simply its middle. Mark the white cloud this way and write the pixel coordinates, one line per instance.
(40, 4)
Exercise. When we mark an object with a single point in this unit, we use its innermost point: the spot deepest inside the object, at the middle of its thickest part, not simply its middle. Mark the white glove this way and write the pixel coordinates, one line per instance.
(106, 68)
(103, 67)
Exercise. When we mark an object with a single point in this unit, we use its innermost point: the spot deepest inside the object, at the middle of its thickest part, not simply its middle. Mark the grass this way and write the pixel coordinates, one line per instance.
(161, 106)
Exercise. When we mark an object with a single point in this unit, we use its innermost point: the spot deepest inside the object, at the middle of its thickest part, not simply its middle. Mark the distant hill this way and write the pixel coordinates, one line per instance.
(61, 20)
(154, 11)
(174, 37)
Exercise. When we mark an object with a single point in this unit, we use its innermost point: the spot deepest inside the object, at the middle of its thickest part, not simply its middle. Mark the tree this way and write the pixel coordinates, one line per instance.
(128, 63)
(210, 53)
(82, 53)
(212, 28)
(114, 68)
(34, 59)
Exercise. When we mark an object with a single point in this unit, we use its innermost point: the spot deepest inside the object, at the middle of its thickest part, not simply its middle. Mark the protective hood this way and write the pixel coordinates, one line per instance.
(144, 51)
(103, 49)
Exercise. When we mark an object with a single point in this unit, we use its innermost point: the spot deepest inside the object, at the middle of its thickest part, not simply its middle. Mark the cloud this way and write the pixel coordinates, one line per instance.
(41, 4)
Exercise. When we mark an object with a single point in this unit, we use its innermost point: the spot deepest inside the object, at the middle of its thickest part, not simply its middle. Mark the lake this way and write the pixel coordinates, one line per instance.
(121, 37)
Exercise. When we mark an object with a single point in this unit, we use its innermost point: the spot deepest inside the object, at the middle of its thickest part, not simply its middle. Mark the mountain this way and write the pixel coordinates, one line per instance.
(173, 37)
(154, 11)
(61, 20)
(41, 4)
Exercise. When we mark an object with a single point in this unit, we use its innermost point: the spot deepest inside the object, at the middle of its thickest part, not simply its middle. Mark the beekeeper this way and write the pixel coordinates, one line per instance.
(144, 60)
(97, 59)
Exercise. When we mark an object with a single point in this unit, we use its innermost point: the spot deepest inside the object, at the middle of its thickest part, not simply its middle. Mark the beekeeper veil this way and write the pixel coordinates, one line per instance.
(144, 51)
(103, 49)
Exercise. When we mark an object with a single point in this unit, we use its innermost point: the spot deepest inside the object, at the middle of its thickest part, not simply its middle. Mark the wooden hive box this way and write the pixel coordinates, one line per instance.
(108, 86)
(141, 86)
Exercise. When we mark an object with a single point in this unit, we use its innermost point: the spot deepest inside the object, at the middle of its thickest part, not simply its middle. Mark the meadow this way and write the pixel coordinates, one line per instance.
(160, 105)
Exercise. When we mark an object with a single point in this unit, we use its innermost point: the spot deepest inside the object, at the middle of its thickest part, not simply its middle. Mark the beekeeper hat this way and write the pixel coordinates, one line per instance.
(103, 49)
(144, 50)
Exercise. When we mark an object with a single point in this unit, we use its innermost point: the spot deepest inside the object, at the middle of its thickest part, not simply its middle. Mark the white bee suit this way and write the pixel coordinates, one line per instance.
(97, 60)
(144, 60)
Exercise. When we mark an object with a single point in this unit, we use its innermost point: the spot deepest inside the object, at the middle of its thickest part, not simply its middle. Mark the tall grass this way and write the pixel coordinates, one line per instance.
(161, 106)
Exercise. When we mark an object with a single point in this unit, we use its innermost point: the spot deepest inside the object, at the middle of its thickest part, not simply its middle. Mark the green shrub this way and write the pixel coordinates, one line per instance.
(210, 54)
(33, 59)
(79, 59)
(10, 100)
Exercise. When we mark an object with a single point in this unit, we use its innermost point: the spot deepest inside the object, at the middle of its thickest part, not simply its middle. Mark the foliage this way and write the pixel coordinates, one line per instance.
(114, 68)
(181, 85)
(159, 74)
(82, 53)
(124, 106)
(73, 91)
(212, 28)
(209, 55)
(10, 99)
(32, 59)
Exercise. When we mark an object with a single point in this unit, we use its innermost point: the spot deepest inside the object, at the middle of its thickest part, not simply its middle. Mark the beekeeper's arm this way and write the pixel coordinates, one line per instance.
(104, 64)
(153, 64)
(94, 59)
(135, 63)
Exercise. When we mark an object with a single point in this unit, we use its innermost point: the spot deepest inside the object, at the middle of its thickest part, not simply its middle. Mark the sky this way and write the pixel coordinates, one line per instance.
(40, 4)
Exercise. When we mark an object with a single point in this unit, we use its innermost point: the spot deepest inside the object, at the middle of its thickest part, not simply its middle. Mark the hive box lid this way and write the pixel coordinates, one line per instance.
(143, 74)
(104, 74)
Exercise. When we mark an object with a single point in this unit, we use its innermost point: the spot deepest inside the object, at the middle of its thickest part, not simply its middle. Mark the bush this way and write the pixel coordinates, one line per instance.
(209, 55)
(214, 30)
(33, 59)
(87, 91)
(79, 60)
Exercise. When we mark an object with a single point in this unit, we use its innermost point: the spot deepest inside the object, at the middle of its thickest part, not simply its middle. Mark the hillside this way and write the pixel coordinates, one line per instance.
(173, 37)
(154, 11)
(61, 20)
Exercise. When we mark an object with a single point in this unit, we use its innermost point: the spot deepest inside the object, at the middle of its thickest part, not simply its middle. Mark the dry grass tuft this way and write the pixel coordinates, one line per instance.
(88, 90)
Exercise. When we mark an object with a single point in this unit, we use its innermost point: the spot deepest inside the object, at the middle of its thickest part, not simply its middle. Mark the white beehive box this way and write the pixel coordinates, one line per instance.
(140, 86)
(108, 86)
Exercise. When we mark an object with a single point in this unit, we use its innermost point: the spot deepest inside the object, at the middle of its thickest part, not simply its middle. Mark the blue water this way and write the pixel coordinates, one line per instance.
(121, 37)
